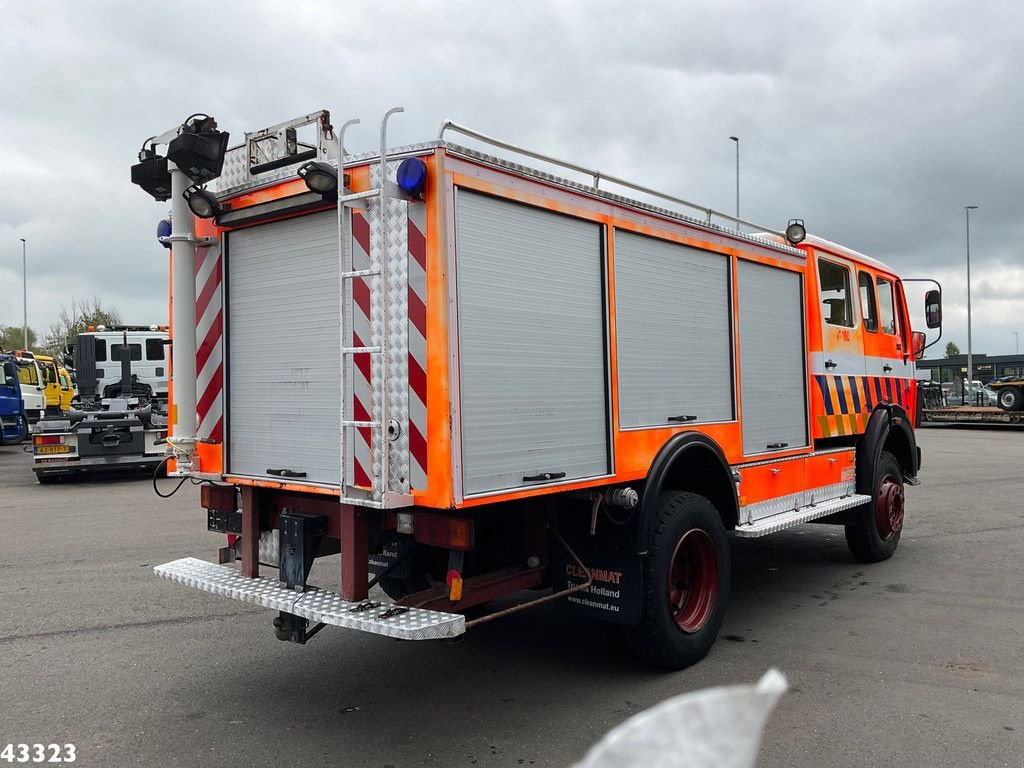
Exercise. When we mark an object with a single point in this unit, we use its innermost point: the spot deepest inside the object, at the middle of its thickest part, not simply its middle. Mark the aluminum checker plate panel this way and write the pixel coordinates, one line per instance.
(780, 522)
(321, 605)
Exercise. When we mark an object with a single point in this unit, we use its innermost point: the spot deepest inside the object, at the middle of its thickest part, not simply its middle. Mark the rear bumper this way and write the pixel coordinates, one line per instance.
(58, 466)
(319, 605)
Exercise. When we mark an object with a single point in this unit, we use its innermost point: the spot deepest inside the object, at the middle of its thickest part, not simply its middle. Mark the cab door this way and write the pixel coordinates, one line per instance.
(66, 390)
(842, 342)
(891, 361)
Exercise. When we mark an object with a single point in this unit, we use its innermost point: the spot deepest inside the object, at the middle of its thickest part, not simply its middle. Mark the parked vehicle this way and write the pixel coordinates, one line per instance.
(122, 426)
(98, 355)
(538, 384)
(13, 421)
(33, 395)
(1009, 392)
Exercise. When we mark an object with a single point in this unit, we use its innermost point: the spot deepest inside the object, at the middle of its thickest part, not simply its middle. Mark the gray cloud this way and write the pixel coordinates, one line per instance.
(875, 122)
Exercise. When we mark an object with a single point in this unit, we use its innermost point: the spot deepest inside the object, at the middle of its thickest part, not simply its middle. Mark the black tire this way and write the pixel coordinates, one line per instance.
(875, 536)
(1010, 398)
(687, 530)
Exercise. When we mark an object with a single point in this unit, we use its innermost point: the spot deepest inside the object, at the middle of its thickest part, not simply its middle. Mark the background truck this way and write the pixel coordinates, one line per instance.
(97, 357)
(120, 427)
(13, 421)
(495, 381)
(1009, 392)
(33, 395)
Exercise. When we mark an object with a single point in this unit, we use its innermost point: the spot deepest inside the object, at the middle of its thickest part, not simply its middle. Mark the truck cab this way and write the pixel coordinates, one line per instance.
(98, 354)
(13, 424)
(33, 396)
(56, 384)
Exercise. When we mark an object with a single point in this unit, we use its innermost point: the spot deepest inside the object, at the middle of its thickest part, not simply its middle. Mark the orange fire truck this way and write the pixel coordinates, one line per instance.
(490, 379)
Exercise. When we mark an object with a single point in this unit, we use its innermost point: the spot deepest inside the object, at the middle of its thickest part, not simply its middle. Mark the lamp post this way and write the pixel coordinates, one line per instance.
(970, 357)
(1016, 342)
(737, 140)
(24, 289)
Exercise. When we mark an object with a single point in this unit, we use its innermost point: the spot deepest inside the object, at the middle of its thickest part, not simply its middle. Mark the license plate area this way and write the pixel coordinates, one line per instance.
(44, 450)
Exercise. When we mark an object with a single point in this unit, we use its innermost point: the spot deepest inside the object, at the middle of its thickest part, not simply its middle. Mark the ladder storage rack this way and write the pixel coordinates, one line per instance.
(385, 274)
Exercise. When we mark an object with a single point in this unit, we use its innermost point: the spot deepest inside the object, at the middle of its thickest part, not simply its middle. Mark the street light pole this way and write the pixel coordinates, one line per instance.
(970, 357)
(1016, 342)
(737, 140)
(24, 289)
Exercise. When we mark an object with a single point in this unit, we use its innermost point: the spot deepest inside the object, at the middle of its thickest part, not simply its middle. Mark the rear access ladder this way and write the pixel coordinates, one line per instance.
(387, 279)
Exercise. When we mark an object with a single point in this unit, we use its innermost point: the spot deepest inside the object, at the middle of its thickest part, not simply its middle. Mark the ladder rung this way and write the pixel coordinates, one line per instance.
(350, 423)
(352, 196)
(360, 350)
(359, 273)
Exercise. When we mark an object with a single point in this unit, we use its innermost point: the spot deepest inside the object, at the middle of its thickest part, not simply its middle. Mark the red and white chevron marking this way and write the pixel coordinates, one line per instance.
(209, 344)
(360, 338)
(417, 346)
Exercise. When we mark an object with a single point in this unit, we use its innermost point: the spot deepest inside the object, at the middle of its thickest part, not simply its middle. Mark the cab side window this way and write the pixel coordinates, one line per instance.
(886, 306)
(101, 350)
(836, 303)
(867, 301)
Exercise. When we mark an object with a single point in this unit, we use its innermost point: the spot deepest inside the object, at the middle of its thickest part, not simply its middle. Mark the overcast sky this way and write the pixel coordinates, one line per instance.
(876, 122)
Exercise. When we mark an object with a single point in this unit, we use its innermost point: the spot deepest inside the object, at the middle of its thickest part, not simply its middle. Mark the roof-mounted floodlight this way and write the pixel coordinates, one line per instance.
(151, 174)
(320, 177)
(202, 203)
(199, 148)
(795, 231)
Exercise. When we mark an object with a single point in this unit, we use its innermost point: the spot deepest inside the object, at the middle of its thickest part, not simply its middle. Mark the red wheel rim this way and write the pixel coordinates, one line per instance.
(889, 507)
(692, 581)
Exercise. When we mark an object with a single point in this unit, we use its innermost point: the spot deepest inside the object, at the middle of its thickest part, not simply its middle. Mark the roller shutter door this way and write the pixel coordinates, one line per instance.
(672, 318)
(772, 358)
(532, 345)
(283, 376)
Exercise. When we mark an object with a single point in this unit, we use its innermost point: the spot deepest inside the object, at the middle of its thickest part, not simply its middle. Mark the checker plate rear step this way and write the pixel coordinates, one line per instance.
(319, 605)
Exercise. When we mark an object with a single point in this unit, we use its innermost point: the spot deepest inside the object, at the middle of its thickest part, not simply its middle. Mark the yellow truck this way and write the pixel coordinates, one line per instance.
(55, 380)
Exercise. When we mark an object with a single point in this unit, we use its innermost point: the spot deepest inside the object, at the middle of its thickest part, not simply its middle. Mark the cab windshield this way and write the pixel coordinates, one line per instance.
(27, 374)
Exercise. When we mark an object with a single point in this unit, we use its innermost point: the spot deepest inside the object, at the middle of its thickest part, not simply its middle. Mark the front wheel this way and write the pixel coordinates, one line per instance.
(686, 583)
(874, 536)
(1010, 398)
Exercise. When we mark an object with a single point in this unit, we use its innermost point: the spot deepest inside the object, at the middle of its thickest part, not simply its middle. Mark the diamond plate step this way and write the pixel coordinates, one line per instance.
(320, 605)
(799, 516)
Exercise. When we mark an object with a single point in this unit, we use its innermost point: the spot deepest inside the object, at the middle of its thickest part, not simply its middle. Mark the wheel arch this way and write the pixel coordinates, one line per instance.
(689, 461)
(889, 429)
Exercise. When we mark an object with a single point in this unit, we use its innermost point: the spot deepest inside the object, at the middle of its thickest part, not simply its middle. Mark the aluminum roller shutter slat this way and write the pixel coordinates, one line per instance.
(283, 375)
(672, 316)
(532, 355)
(772, 357)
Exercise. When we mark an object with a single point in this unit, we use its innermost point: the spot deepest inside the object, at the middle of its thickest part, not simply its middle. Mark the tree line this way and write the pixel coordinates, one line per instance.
(63, 332)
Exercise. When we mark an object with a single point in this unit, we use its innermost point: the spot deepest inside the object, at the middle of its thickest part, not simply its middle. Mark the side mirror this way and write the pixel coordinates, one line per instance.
(918, 339)
(933, 309)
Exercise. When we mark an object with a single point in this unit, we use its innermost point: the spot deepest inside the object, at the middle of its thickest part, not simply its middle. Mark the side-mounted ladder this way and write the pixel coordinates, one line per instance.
(385, 209)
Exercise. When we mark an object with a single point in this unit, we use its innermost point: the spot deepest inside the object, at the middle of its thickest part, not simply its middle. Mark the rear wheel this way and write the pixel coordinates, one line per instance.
(686, 583)
(1010, 398)
(875, 536)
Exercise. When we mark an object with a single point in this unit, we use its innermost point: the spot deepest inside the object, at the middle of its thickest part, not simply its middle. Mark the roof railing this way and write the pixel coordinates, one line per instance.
(598, 176)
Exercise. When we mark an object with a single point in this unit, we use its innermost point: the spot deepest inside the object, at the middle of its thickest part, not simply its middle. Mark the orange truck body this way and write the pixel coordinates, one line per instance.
(849, 388)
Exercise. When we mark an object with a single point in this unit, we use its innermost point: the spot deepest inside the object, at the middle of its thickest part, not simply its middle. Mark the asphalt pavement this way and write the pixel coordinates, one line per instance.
(918, 661)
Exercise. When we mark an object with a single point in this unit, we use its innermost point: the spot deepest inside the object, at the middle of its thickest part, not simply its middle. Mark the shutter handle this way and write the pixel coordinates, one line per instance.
(830, 364)
(681, 418)
(541, 477)
(776, 446)
(285, 473)
(886, 367)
